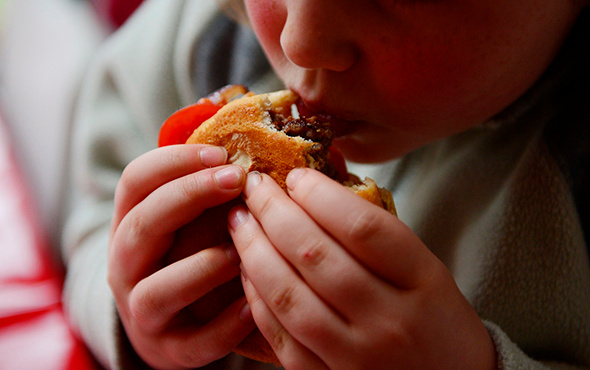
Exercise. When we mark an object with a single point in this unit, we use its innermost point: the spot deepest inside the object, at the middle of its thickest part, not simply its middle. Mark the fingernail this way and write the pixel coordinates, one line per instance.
(229, 178)
(252, 180)
(246, 313)
(237, 217)
(212, 156)
(294, 176)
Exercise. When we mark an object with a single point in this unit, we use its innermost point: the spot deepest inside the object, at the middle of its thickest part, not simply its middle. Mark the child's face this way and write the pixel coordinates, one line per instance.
(407, 72)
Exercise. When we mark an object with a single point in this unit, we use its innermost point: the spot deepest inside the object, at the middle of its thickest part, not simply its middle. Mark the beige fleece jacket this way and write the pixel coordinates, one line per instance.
(492, 203)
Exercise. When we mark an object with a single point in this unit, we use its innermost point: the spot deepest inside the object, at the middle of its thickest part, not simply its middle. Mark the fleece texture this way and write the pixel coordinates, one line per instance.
(500, 204)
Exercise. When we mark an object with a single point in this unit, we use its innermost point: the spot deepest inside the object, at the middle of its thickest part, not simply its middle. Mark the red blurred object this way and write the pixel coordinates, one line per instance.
(34, 333)
(181, 124)
(116, 12)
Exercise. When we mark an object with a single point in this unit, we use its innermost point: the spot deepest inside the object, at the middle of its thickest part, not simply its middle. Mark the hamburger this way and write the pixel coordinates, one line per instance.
(268, 134)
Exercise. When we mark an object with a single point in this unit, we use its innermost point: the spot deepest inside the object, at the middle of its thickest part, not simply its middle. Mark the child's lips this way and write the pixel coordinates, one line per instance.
(341, 126)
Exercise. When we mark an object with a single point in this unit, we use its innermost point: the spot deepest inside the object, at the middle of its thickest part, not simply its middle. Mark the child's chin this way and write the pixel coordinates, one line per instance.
(357, 149)
(353, 150)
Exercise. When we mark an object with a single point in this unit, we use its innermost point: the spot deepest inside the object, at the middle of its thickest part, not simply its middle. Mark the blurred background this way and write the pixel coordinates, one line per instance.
(45, 48)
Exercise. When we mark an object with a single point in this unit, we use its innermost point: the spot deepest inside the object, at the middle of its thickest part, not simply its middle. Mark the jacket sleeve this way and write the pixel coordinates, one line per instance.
(142, 74)
(511, 357)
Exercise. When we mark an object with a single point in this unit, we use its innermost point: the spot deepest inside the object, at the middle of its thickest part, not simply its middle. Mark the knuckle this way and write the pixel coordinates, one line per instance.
(255, 300)
(313, 253)
(174, 158)
(397, 333)
(309, 326)
(310, 193)
(213, 269)
(124, 243)
(365, 227)
(279, 339)
(204, 262)
(392, 334)
(138, 228)
(189, 186)
(127, 184)
(143, 308)
(283, 300)
(114, 259)
(113, 280)
(127, 180)
(265, 205)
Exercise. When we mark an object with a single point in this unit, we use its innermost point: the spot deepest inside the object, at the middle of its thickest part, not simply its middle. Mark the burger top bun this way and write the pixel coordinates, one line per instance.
(245, 128)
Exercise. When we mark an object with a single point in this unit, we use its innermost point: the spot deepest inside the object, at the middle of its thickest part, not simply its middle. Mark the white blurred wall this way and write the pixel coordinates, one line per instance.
(45, 46)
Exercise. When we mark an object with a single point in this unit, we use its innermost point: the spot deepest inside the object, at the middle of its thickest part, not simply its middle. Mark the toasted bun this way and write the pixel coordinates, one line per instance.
(369, 190)
(244, 127)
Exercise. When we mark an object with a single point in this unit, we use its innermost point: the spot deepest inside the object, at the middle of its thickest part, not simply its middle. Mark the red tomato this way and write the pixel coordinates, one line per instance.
(181, 124)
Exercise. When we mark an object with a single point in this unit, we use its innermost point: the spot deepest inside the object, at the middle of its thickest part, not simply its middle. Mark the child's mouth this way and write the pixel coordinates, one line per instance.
(340, 126)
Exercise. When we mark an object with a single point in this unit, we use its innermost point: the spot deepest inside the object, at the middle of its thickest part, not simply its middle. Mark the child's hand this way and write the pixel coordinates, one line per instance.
(334, 281)
(157, 206)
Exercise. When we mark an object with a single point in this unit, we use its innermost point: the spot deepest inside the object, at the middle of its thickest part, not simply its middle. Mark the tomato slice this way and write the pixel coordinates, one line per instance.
(181, 124)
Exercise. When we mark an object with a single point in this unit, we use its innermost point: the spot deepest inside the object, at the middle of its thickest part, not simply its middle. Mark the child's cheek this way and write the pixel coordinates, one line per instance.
(430, 90)
(427, 74)
(267, 19)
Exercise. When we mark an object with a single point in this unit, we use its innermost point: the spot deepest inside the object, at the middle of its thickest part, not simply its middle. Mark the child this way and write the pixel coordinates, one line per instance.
(477, 109)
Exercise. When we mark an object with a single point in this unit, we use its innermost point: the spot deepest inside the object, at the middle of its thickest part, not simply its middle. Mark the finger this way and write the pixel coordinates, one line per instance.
(372, 235)
(157, 299)
(147, 231)
(194, 346)
(322, 263)
(295, 305)
(290, 352)
(157, 167)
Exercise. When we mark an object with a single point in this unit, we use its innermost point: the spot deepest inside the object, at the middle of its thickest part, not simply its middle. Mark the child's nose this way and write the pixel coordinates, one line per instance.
(314, 37)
